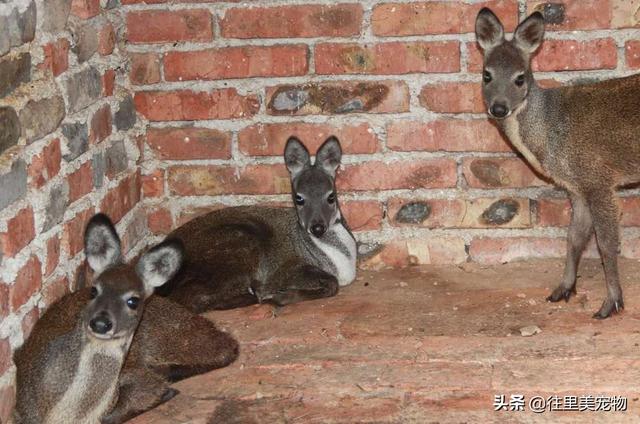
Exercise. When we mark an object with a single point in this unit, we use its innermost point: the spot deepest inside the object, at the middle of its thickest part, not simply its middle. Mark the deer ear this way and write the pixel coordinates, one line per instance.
(329, 155)
(101, 243)
(296, 156)
(159, 264)
(489, 29)
(529, 34)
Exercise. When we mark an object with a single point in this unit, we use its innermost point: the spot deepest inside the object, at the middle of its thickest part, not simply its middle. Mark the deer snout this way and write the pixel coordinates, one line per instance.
(318, 230)
(101, 324)
(499, 110)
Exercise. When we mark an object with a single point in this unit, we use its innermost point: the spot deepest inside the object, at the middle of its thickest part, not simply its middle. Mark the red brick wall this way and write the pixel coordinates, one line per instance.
(68, 148)
(426, 178)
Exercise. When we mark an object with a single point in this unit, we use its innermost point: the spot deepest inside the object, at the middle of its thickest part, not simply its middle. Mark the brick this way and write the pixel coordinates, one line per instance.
(135, 231)
(270, 139)
(55, 14)
(408, 174)
(41, 117)
(106, 40)
(160, 221)
(418, 251)
(80, 182)
(553, 212)
(45, 165)
(27, 283)
(53, 255)
(56, 56)
(632, 54)
(108, 82)
(153, 184)
(53, 290)
(573, 14)
(362, 215)
(116, 159)
(122, 198)
(73, 232)
(215, 180)
(57, 203)
(28, 321)
(4, 300)
(453, 97)
(504, 250)
(85, 9)
(101, 125)
(14, 70)
(451, 135)
(125, 118)
(564, 55)
(629, 208)
(145, 68)
(338, 98)
(164, 26)
(99, 165)
(300, 21)
(9, 128)
(77, 135)
(5, 355)
(189, 143)
(237, 62)
(187, 105)
(7, 402)
(624, 14)
(437, 17)
(13, 182)
(388, 58)
(20, 232)
(499, 172)
(83, 88)
(86, 42)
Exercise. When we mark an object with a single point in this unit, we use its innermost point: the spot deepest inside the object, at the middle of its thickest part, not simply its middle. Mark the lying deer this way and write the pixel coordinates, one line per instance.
(245, 255)
(586, 138)
(106, 353)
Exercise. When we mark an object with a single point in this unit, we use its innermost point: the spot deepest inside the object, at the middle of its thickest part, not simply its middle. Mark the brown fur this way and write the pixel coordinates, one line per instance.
(586, 138)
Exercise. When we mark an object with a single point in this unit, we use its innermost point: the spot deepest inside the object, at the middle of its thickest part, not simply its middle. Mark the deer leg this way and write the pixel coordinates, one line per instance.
(295, 283)
(604, 211)
(580, 231)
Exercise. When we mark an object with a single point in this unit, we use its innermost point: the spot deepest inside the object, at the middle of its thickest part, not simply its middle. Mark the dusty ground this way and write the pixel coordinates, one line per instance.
(432, 344)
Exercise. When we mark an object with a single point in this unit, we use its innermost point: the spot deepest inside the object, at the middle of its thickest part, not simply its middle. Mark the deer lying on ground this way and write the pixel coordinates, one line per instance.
(586, 138)
(245, 255)
(107, 352)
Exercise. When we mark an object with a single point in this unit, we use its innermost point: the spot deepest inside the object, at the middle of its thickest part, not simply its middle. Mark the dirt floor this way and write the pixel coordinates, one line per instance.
(426, 344)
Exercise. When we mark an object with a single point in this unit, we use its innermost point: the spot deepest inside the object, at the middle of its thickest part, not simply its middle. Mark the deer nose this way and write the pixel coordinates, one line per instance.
(499, 110)
(101, 324)
(318, 230)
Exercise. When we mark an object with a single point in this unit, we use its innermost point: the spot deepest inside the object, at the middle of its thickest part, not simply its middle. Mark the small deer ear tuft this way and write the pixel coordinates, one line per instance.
(296, 156)
(101, 243)
(489, 29)
(159, 264)
(329, 155)
(530, 32)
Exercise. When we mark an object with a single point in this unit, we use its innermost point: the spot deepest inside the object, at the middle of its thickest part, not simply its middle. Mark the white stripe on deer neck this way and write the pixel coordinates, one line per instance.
(345, 265)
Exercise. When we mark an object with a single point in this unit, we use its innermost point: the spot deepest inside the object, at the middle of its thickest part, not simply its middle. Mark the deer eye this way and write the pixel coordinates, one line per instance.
(486, 76)
(520, 80)
(331, 199)
(299, 200)
(133, 302)
(94, 293)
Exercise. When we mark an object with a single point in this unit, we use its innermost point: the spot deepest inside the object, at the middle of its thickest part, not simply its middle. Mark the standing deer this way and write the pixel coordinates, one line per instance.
(250, 254)
(586, 138)
(107, 352)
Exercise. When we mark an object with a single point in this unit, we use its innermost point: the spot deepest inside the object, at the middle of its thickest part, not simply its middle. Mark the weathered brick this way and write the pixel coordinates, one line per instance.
(437, 17)
(5, 355)
(77, 135)
(73, 232)
(86, 42)
(563, 55)
(270, 139)
(83, 88)
(106, 39)
(362, 215)
(14, 183)
(624, 14)
(338, 98)
(214, 180)
(20, 232)
(29, 320)
(80, 182)
(9, 128)
(27, 283)
(108, 82)
(135, 230)
(100, 125)
(14, 70)
(160, 221)
(452, 135)
(341, 20)
(55, 14)
(553, 212)
(573, 14)
(53, 255)
(41, 117)
(56, 205)
(632, 54)
(168, 26)
(189, 143)
(153, 184)
(45, 165)
(54, 289)
(85, 9)
(4, 300)
(186, 105)
(237, 62)
(99, 165)
(125, 118)
(122, 198)
(388, 58)
(401, 253)
(145, 68)
(56, 56)
(499, 173)
(408, 174)
(453, 97)
(116, 160)
(503, 250)
(7, 402)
